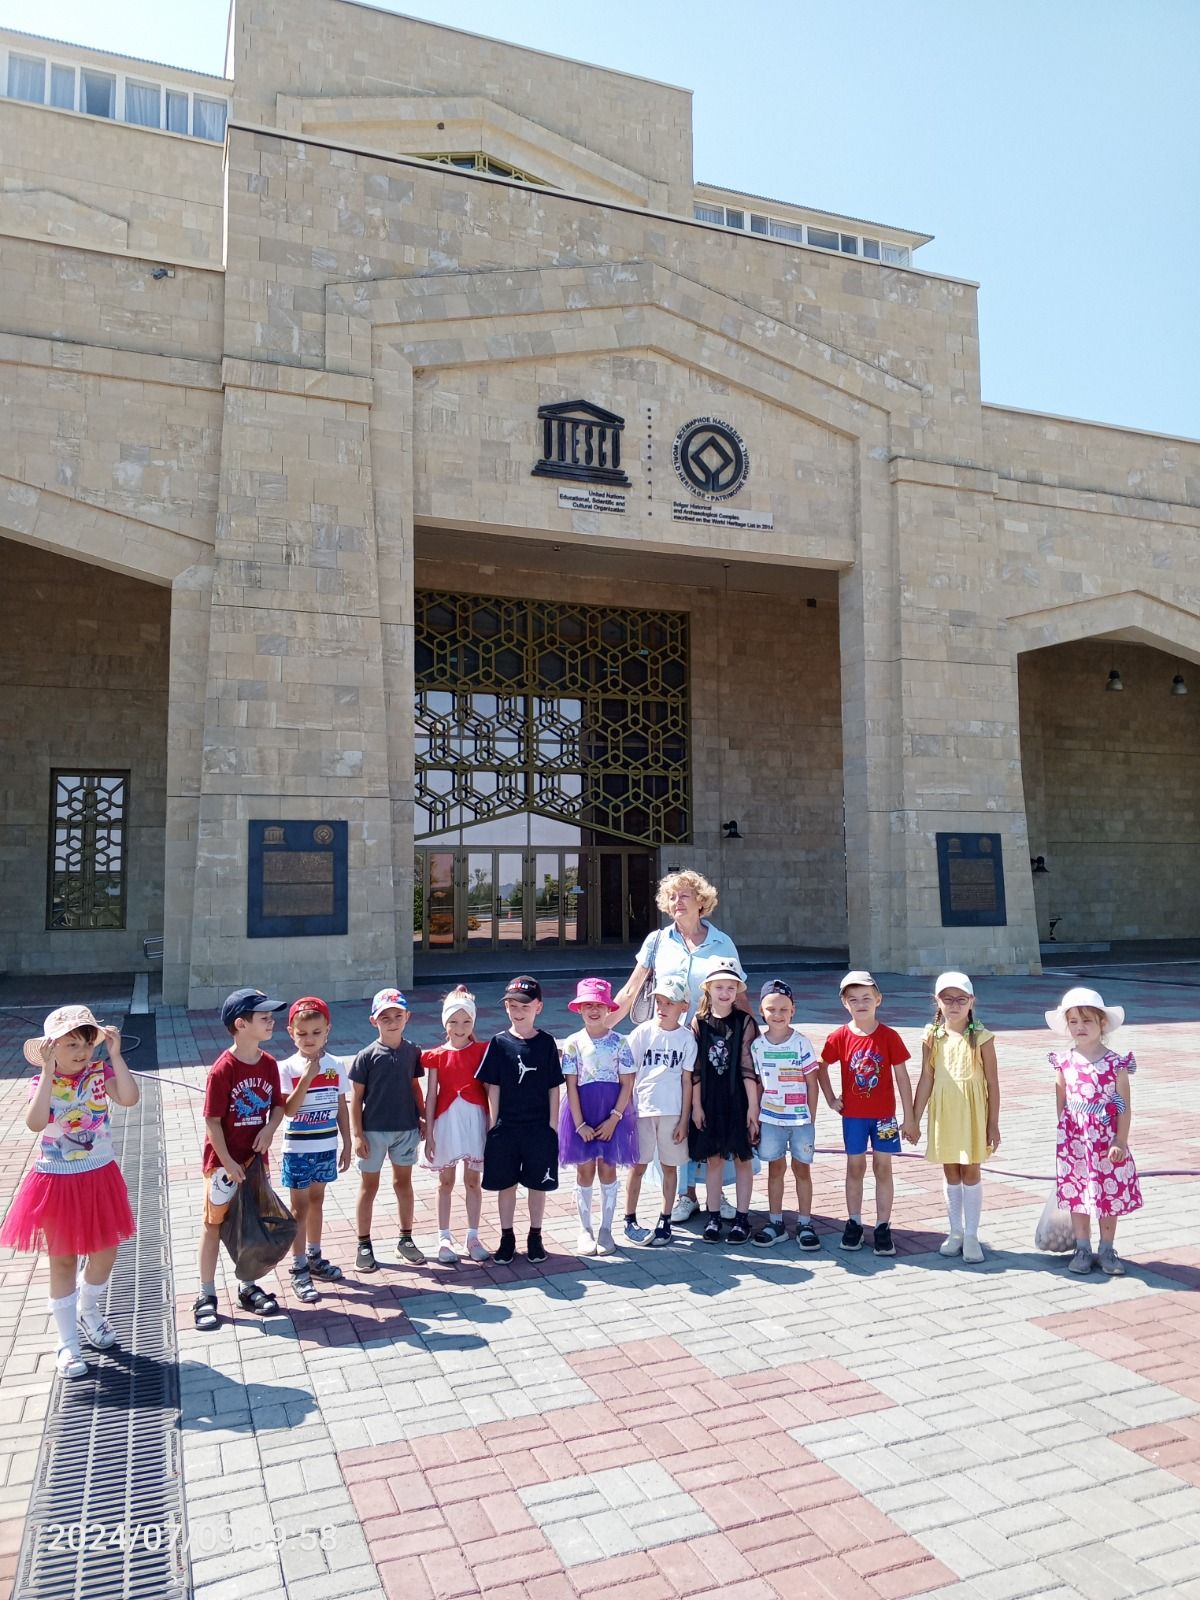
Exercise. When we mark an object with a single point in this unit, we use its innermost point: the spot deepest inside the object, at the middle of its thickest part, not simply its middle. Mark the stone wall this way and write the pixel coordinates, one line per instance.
(83, 684)
(1112, 786)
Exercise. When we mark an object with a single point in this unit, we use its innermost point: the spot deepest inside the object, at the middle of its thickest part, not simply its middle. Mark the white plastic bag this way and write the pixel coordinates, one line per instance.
(1054, 1232)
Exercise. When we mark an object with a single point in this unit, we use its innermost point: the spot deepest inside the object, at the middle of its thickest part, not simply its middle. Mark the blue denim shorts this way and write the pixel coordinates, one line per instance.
(775, 1141)
(882, 1132)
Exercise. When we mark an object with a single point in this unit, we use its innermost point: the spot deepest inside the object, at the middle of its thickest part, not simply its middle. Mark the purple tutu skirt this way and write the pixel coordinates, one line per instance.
(596, 1101)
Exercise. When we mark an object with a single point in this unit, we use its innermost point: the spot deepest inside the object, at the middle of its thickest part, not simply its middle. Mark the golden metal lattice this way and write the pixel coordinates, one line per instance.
(574, 712)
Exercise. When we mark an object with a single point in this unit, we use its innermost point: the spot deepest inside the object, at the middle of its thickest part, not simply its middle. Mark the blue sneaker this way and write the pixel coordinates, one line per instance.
(634, 1231)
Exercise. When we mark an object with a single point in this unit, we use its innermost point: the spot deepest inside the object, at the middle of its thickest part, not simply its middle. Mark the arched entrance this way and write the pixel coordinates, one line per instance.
(1111, 769)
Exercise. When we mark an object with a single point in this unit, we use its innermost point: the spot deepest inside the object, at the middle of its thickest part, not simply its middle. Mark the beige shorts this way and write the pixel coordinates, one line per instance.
(654, 1138)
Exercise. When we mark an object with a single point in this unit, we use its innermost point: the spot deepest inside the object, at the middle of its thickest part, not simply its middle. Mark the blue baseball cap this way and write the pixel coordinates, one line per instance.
(245, 1002)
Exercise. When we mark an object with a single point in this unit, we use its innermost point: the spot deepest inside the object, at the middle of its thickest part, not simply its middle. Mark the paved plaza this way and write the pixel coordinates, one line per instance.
(700, 1420)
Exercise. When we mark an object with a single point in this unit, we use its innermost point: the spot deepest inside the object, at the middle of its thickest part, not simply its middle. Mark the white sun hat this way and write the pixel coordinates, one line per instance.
(954, 980)
(1057, 1020)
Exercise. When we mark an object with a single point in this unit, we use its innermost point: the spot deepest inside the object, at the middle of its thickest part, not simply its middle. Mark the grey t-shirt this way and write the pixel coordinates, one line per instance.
(387, 1075)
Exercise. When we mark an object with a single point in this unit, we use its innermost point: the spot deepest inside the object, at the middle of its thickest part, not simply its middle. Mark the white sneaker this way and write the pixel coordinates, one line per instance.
(448, 1253)
(97, 1330)
(951, 1245)
(585, 1245)
(684, 1208)
(606, 1245)
(972, 1250)
(70, 1362)
(728, 1212)
(478, 1251)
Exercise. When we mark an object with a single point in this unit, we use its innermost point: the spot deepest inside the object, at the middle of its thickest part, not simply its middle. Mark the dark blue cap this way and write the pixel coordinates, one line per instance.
(775, 986)
(245, 1002)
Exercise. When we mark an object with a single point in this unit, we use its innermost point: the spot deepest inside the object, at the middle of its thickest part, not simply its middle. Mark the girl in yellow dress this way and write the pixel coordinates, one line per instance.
(959, 1085)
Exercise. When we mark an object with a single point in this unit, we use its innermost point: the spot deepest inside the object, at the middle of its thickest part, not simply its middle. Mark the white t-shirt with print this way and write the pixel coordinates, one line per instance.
(314, 1129)
(783, 1070)
(661, 1059)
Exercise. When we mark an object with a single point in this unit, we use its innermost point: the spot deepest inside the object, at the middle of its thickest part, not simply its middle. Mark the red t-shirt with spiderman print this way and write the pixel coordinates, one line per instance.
(867, 1059)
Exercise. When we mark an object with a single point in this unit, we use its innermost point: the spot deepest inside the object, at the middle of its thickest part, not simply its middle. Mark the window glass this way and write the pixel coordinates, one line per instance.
(787, 230)
(849, 244)
(735, 219)
(99, 95)
(757, 224)
(823, 238)
(208, 119)
(177, 111)
(143, 104)
(871, 249)
(27, 79)
(896, 255)
(708, 213)
(62, 88)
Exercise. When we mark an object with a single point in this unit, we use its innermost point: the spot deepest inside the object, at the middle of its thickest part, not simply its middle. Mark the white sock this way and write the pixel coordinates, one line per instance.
(972, 1205)
(608, 1203)
(803, 1222)
(583, 1204)
(472, 1233)
(91, 1296)
(777, 1218)
(64, 1312)
(954, 1205)
(444, 1233)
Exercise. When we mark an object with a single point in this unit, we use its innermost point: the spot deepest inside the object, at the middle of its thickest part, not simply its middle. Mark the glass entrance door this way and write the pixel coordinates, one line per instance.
(488, 899)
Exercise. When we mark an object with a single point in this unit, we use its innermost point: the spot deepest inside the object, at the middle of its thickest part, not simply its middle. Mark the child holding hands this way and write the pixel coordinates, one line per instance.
(457, 1123)
(960, 1086)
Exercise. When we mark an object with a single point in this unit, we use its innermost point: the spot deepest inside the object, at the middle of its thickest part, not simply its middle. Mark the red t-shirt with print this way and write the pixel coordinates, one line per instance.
(867, 1059)
(243, 1094)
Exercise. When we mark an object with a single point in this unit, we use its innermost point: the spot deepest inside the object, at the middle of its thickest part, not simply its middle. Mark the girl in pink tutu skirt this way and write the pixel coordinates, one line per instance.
(73, 1203)
(597, 1126)
(1096, 1175)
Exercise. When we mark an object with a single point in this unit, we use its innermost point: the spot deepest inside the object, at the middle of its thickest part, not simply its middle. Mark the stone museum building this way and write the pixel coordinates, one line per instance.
(427, 513)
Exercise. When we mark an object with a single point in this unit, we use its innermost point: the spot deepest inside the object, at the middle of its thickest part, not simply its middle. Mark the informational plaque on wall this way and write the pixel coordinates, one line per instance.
(298, 883)
(971, 880)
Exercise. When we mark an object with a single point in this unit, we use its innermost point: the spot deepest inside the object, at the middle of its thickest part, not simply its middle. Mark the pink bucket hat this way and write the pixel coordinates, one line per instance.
(56, 1026)
(593, 992)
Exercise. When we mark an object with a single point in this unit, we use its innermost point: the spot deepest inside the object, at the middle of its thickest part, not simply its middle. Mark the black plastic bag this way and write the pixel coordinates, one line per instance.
(258, 1229)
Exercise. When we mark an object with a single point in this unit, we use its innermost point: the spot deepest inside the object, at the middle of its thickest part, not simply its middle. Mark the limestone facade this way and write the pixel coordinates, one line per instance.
(290, 433)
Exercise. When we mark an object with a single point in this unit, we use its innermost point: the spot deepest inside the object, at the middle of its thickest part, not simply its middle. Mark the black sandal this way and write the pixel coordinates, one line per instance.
(204, 1313)
(258, 1300)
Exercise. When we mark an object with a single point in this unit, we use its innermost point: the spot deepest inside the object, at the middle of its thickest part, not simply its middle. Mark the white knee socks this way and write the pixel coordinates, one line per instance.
(972, 1208)
(608, 1204)
(64, 1313)
(91, 1297)
(954, 1206)
(583, 1204)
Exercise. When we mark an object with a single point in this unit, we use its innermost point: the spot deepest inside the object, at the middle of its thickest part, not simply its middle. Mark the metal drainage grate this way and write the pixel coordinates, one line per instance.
(106, 1517)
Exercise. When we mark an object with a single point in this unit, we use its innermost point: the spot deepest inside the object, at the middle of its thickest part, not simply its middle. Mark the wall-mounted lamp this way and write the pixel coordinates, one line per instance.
(1038, 863)
(730, 830)
(1177, 684)
(1114, 680)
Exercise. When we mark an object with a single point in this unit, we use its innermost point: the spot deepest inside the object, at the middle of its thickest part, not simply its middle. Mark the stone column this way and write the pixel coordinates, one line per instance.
(191, 602)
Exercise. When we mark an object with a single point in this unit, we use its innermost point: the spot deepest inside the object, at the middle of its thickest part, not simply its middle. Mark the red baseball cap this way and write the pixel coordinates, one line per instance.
(308, 1002)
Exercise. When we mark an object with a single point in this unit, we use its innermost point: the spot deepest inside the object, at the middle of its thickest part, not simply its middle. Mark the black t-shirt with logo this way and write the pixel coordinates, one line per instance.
(526, 1070)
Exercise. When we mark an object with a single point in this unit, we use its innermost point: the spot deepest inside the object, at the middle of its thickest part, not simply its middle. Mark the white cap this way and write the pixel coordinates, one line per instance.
(1057, 1020)
(857, 977)
(954, 980)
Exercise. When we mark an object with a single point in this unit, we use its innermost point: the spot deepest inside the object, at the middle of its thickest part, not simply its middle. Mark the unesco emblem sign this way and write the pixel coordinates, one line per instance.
(711, 458)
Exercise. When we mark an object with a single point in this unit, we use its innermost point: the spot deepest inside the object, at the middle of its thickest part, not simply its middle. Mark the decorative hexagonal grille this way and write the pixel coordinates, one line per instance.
(574, 712)
(86, 887)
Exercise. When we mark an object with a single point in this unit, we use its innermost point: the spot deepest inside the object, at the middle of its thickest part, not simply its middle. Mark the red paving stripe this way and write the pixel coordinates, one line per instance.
(781, 1515)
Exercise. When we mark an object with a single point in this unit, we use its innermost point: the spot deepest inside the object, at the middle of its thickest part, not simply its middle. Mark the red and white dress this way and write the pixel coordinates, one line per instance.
(1087, 1181)
(459, 1119)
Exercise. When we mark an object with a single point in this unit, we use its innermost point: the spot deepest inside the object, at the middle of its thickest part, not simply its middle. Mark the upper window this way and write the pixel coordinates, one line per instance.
(849, 244)
(99, 95)
(208, 118)
(143, 104)
(27, 79)
(62, 87)
(479, 161)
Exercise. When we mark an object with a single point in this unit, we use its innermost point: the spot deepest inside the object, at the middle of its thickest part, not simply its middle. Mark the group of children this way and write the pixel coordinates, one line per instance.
(704, 1097)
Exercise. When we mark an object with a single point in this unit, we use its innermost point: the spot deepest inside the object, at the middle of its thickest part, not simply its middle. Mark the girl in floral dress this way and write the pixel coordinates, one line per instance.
(1096, 1175)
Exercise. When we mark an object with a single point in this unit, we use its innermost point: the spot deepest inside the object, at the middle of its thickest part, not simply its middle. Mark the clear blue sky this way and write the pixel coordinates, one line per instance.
(1046, 144)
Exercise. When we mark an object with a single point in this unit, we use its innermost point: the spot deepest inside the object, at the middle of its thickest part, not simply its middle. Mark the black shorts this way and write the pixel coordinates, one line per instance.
(521, 1152)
